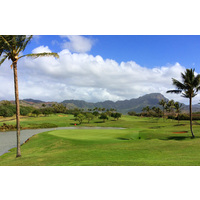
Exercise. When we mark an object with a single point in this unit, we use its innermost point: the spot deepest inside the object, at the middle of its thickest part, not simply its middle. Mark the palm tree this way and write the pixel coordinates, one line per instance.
(146, 109)
(178, 107)
(163, 104)
(189, 89)
(10, 48)
(170, 107)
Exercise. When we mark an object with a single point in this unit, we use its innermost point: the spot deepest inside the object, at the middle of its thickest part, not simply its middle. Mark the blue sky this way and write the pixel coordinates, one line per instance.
(147, 50)
(103, 67)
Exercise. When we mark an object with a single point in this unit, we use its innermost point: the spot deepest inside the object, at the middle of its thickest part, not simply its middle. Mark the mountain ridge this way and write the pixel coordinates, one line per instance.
(123, 106)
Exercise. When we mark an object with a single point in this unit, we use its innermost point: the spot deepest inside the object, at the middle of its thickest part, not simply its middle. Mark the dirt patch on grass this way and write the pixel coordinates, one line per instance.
(180, 132)
(62, 115)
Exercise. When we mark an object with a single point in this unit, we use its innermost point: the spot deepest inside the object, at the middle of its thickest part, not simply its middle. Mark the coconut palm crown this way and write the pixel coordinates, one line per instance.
(11, 47)
(189, 87)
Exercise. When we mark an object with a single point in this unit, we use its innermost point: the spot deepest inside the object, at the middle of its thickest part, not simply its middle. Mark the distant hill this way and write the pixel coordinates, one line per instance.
(123, 106)
(33, 100)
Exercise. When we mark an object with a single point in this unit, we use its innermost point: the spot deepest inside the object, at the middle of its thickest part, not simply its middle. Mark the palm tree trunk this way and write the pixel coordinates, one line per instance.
(163, 113)
(17, 108)
(191, 117)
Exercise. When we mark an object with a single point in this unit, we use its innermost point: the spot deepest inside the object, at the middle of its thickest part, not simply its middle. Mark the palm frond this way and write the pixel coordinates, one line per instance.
(26, 40)
(36, 55)
(5, 43)
(178, 84)
(174, 91)
(3, 59)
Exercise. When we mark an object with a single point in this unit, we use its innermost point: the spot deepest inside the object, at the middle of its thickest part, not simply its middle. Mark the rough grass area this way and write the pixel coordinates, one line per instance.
(144, 142)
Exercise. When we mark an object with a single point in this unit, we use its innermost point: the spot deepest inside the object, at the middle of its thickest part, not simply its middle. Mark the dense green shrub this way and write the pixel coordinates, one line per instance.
(80, 117)
(95, 113)
(47, 111)
(103, 116)
(116, 115)
(43, 125)
(6, 127)
(36, 112)
(6, 112)
(187, 117)
(89, 116)
(25, 110)
(132, 113)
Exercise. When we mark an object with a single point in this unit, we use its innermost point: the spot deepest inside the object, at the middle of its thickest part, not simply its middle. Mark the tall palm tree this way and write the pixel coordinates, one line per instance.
(189, 88)
(10, 48)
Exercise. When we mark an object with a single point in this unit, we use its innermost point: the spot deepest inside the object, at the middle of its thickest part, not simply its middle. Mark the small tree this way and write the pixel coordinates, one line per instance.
(116, 115)
(95, 113)
(89, 116)
(80, 117)
(103, 116)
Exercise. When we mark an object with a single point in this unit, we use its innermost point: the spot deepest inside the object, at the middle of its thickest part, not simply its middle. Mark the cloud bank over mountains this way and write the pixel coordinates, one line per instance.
(86, 77)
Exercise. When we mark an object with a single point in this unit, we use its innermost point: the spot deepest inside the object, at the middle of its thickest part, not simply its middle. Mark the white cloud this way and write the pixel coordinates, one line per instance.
(87, 77)
(41, 49)
(76, 43)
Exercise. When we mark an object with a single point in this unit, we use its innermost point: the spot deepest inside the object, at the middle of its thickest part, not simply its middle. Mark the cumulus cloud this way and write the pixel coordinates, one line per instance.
(41, 49)
(76, 43)
(87, 77)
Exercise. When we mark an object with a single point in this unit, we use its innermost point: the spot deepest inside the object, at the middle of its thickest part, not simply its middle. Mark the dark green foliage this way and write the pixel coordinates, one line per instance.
(89, 116)
(6, 127)
(132, 113)
(25, 110)
(59, 108)
(43, 125)
(37, 112)
(151, 112)
(47, 111)
(80, 117)
(6, 112)
(95, 113)
(103, 116)
(116, 115)
(7, 109)
(187, 117)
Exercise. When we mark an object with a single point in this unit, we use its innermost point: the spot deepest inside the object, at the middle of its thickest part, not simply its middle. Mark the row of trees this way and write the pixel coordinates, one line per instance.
(90, 116)
(169, 108)
(8, 110)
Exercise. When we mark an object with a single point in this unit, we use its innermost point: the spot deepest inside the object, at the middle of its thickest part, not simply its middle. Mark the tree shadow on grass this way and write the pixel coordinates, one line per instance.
(120, 138)
(179, 138)
(180, 125)
(99, 122)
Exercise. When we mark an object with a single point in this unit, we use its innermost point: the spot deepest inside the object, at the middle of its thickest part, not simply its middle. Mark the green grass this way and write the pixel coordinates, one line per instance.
(144, 142)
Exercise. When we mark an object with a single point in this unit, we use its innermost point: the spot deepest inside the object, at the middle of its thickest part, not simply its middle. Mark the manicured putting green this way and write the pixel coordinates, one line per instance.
(95, 135)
